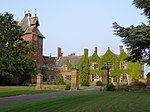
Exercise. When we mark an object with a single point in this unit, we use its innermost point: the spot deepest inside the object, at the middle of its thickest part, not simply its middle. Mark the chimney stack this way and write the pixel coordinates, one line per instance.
(121, 49)
(59, 53)
(86, 52)
(95, 50)
(128, 51)
(29, 16)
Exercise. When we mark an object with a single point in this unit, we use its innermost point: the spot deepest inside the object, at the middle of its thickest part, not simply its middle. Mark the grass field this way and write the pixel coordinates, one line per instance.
(86, 102)
(20, 90)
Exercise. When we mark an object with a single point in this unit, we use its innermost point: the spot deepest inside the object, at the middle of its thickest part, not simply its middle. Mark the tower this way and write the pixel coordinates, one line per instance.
(33, 35)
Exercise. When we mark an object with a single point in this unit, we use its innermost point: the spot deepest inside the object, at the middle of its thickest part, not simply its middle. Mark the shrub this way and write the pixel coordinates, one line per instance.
(48, 83)
(98, 83)
(59, 80)
(139, 85)
(110, 87)
(68, 87)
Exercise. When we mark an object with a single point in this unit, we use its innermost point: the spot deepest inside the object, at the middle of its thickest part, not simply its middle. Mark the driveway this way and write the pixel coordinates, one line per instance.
(22, 98)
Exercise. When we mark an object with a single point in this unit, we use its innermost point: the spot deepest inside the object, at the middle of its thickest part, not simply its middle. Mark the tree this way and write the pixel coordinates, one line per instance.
(15, 54)
(137, 37)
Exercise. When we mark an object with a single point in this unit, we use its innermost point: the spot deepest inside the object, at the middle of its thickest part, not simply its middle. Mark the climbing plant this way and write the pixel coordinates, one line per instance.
(95, 59)
(133, 68)
(110, 57)
(68, 64)
(83, 66)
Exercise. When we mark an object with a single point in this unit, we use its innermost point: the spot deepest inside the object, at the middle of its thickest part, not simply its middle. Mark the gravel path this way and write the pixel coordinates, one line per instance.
(22, 98)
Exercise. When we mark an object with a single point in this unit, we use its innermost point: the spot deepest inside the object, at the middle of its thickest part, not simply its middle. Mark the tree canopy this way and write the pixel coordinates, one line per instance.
(137, 37)
(16, 60)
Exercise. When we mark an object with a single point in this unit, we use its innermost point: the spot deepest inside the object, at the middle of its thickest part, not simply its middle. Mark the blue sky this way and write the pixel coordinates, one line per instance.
(77, 24)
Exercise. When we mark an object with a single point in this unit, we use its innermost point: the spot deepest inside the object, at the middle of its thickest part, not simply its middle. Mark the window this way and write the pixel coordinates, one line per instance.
(123, 65)
(94, 66)
(124, 78)
(93, 77)
(34, 37)
(52, 78)
(66, 68)
(68, 77)
(114, 79)
(109, 65)
(39, 42)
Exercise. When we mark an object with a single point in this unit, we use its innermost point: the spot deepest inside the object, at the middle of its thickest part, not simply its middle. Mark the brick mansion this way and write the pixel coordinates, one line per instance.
(119, 70)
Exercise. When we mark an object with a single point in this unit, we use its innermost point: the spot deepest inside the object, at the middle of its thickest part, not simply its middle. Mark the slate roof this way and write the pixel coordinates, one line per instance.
(49, 61)
(54, 62)
(33, 21)
(73, 60)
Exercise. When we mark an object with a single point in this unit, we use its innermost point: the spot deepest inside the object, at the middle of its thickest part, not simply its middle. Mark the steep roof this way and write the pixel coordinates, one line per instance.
(28, 23)
(73, 60)
(54, 62)
(49, 61)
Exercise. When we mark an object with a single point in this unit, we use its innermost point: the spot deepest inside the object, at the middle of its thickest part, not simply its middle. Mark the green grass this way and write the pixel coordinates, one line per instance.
(20, 90)
(86, 102)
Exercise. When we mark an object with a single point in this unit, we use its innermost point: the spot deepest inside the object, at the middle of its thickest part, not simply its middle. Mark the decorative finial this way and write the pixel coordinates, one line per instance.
(35, 12)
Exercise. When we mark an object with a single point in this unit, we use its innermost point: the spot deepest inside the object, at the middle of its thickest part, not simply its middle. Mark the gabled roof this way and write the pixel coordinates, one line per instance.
(49, 61)
(28, 23)
(54, 62)
(73, 60)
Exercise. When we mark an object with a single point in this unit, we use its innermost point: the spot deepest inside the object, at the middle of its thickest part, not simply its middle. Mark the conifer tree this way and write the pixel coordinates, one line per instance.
(137, 37)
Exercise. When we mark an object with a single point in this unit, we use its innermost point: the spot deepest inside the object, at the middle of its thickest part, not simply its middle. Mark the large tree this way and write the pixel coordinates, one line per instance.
(137, 37)
(15, 54)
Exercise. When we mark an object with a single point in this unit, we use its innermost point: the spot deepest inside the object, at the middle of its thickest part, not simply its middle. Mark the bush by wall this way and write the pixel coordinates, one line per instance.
(67, 87)
(110, 87)
(98, 83)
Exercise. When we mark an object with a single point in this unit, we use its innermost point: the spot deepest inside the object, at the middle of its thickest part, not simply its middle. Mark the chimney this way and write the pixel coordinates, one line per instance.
(28, 17)
(59, 53)
(121, 49)
(86, 51)
(95, 50)
(128, 51)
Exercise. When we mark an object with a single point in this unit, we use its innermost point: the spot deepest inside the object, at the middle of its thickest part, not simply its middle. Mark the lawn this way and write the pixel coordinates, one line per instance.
(86, 102)
(20, 90)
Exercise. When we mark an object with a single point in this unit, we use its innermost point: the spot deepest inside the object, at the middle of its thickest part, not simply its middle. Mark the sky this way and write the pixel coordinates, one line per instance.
(77, 24)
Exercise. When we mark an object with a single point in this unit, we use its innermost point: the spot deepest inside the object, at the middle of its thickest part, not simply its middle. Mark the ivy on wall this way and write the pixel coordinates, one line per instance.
(83, 67)
(68, 64)
(96, 59)
(133, 68)
(85, 62)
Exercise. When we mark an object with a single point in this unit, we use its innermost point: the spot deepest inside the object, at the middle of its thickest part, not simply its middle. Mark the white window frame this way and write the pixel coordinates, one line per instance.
(68, 77)
(123, 65)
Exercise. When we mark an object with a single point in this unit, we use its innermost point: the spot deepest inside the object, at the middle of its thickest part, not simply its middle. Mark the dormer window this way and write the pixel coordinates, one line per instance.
(94, 66)
(65, 68)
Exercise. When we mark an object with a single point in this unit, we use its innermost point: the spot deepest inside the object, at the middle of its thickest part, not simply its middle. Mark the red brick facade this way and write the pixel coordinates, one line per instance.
(32, 34)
